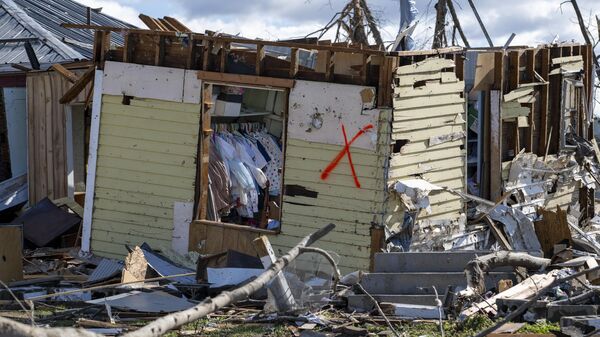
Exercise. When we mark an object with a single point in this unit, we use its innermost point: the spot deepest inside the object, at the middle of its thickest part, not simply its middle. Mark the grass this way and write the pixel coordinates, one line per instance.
(540, 327)
(469, 327)
(238, 330)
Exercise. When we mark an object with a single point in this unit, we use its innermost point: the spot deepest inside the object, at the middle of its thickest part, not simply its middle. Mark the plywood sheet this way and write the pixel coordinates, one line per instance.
(143, 81)
(317, 111)
(484, 72)
(11, 253)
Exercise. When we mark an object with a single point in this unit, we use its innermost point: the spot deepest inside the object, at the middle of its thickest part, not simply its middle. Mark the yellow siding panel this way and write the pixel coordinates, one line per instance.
(434, 109)
(146, 162)
(155, 136)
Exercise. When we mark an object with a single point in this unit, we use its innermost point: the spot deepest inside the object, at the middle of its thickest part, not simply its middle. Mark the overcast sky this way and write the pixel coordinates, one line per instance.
(534, 21)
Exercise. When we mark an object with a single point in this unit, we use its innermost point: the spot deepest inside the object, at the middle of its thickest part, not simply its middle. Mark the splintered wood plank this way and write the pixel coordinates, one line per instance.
(567, 59)
(518, 93)
(552, 229)
(78, 86)
(420, 102)
(66, 73)
(430, 88)
(429, 65)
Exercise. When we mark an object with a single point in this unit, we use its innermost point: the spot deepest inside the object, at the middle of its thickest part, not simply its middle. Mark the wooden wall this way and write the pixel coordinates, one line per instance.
(146, 162)
(47, 156)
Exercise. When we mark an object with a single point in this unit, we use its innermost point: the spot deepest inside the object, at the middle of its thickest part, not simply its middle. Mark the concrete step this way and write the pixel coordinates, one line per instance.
(422, 283)
(448, 261)
(362, 303)
(455, 261)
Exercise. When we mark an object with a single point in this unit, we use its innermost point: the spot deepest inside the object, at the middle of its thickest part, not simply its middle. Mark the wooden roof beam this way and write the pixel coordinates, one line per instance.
(66, 73)
(150, 22)
(78, 86)
(168, 25)
(177, 24)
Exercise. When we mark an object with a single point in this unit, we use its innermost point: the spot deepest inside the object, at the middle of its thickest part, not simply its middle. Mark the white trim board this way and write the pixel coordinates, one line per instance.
(86, 234)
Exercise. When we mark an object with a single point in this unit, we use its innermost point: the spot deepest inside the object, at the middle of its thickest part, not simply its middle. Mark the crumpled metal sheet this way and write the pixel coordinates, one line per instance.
(165, 268)
(519, 228)
(45, 222)
(105, 270)
(155, 302)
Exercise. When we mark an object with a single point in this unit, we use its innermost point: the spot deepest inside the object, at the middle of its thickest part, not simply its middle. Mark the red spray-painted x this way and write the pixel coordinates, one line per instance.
(346, 150)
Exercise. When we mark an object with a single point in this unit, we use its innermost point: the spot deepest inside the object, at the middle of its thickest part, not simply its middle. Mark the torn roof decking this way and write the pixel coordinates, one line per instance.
(40, 21)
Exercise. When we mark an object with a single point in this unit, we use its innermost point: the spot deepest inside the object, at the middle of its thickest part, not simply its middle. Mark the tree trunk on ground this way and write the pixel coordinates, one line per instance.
(476, 269)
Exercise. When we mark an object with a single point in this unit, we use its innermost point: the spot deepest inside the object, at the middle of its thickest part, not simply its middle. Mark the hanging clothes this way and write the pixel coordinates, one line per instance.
(273, 167)
(247, 159)
(218, 179)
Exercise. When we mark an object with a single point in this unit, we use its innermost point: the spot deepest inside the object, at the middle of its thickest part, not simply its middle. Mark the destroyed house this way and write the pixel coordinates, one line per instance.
(42, 141)
(204, 142)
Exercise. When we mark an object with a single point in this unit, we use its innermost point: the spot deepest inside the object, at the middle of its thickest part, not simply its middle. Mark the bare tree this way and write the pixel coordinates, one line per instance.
(354, 23)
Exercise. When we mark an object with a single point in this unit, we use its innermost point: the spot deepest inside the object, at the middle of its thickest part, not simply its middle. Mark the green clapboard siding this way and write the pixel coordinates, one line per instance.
(339, 201)
(146, 162)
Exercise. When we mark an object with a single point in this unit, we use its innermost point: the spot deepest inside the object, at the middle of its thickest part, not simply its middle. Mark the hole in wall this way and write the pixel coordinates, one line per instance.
(397, 146)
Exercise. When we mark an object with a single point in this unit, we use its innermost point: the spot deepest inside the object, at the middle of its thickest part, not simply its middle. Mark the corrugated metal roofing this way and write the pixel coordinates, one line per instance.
(41, 19)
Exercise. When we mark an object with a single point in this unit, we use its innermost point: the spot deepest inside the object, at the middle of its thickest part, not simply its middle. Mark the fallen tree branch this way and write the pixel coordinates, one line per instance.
(475, 270)
(387, 321)
(336, 272)
(516, 313)
(175, 320)
(10, 328)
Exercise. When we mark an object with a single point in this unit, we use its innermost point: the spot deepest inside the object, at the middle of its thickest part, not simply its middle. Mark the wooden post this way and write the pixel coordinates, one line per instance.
(127, 45)
(513, 83)
(260, 56)
(544, 73)
(294, 63)
(207, 45)
(190, 60)
(530, 68)
(207, 104)
(284, 299)
(377, 244)
(159, 51)
(364, 72)
(495, 127)
(495, 144)
(223, 57)
(329, 65)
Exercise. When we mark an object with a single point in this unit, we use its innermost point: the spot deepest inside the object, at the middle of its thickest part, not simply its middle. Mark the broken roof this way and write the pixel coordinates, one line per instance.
(38, 21)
